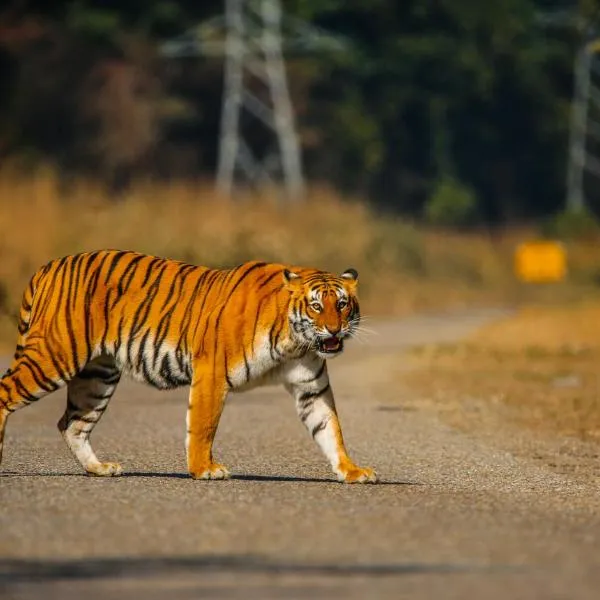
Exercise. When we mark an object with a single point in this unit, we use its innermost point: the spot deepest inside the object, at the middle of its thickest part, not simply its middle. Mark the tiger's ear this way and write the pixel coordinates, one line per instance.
(351, 277)
(351, 274)
(290, 278)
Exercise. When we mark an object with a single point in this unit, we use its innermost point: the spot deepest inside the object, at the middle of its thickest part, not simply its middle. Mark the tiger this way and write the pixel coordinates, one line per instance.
(86, 319)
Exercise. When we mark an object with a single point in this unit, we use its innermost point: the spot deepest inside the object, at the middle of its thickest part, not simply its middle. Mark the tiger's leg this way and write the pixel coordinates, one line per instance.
(316, 408)
(3, 418)
(87, 398)
(204, 411)
(31, 376)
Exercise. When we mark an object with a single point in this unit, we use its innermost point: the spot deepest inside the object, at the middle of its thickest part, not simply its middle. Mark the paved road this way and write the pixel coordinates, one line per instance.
(455, 517)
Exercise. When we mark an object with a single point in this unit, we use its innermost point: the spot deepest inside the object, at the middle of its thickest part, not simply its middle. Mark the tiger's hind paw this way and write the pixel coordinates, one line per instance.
(106, 469)
(214, 471)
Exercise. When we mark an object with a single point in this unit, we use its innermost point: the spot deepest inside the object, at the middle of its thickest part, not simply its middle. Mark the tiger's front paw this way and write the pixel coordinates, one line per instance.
(354, 474)
(105, 469)
(213, 471)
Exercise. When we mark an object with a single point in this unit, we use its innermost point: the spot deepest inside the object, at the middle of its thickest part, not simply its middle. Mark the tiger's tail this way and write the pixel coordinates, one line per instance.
(24, 319)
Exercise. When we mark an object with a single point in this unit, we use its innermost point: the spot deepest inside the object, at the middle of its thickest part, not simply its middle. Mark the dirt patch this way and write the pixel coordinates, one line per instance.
(529, 382)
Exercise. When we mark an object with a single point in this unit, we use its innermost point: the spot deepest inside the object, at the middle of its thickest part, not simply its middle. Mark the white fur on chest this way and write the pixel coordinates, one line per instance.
(266, 368)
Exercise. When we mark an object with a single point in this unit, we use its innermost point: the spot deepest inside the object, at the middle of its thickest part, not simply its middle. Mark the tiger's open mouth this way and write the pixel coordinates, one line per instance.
(330, 345)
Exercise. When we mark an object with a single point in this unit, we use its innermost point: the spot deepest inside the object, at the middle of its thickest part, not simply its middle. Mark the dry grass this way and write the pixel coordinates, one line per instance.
(537, 369)
(402, 269)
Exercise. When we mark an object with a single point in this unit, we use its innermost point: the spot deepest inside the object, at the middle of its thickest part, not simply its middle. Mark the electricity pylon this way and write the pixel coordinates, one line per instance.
(251, 37)
(585, 100)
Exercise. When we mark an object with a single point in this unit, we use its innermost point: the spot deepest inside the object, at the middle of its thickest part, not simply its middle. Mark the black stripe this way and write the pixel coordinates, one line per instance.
(117, 256)
(160, 336)
(91, 259)
(166, 372)
(102, 373)
(76, 295)
(187, 313)
(274, 334)
(199, 312)
(120, 328)
(4, 386)
(141, 314)
(141, 353)
(262, 301)
(247, 272)
(305, 396)
(50, 283)
(255, 266)
(129, 274)
(23, 392)
(317, 376)
(246, 364)
(149, 376)
(62, 373)
(100, 396)
(87, 304)
(95, 276)
(68, 314)
(319, 427)
(149, 269)
(268, 279)
(106, 319)
(38, 375)
(87, 418)
(171, 291)
(164, 324)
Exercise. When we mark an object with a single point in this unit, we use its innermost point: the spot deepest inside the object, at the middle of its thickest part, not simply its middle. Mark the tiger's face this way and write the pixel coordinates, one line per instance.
(324, 309)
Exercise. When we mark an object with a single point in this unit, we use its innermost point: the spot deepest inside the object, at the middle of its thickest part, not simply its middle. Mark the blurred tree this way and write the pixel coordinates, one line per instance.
(430, 91)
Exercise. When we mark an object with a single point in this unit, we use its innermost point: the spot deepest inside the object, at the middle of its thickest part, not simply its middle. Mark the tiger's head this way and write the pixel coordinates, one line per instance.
(323, 309)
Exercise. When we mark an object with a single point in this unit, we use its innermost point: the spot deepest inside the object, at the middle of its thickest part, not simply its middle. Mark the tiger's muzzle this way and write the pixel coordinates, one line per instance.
(330, 345)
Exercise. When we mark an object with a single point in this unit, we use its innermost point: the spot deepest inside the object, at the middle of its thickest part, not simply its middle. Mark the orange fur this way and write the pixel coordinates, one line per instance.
(87, 318)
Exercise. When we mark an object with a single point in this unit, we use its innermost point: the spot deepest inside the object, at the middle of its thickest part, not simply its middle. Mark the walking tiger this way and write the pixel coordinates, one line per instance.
(88, 318)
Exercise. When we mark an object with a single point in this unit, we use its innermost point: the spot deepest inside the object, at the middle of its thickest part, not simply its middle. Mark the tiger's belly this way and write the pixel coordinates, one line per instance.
(274, 376)
(162, 368)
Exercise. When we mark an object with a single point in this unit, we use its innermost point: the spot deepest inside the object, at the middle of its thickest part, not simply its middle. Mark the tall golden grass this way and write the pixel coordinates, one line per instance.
(402, 268)
(540, 365)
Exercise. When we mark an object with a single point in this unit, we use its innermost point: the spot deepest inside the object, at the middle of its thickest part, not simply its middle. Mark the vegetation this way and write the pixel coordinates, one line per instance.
(536, 369)
(470, 96)
(403, 268)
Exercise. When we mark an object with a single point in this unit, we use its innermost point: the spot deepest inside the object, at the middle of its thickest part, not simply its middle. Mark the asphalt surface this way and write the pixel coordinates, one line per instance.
(454, 516)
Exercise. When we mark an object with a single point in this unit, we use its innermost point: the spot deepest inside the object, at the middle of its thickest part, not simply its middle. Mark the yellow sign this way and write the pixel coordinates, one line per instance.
(541, 262)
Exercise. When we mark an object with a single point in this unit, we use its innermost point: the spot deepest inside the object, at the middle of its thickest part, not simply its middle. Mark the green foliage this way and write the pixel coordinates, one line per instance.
(92, 22)
(451, 203)
(571, 225)
(425, 89)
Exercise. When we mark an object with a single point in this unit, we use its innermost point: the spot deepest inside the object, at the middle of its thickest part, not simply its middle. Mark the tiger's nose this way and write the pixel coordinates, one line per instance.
(333, 330)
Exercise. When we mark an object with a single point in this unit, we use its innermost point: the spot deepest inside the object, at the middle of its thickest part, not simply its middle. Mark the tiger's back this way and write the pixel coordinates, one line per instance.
(144, 311)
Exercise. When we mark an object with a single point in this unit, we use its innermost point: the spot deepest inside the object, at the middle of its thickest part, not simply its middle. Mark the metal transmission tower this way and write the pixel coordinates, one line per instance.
(586, 100)
(254, 44)
(586, 97)
(252, 37)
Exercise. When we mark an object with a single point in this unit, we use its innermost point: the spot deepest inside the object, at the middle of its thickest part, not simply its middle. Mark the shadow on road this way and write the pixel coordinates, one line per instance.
(30, 571)
(234, 477)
